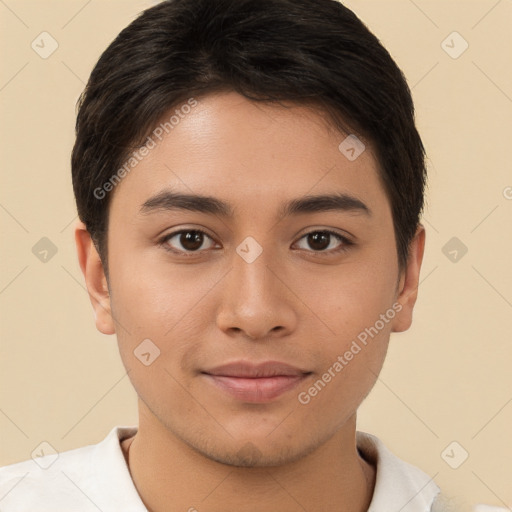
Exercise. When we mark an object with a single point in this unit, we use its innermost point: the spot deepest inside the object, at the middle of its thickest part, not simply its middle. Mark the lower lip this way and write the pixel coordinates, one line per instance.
(258, 390)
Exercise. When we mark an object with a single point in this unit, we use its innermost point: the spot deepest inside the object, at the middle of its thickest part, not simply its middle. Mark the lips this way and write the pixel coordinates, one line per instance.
(251, 382)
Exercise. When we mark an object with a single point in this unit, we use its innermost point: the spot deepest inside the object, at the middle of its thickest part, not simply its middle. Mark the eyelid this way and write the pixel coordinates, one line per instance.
(333, 231)
(163, 241)
(346, 242)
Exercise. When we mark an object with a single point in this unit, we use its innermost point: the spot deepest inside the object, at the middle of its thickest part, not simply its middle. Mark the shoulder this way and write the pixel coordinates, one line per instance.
(47, 480)
(74, 479)
(402, 486)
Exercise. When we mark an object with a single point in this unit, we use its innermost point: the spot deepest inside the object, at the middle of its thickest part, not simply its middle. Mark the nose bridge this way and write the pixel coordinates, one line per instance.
(254, 300)
(253, 274)
(252, 280)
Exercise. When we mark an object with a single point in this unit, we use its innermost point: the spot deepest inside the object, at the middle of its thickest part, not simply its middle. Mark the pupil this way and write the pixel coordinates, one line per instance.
(318, 240)
(191, 240)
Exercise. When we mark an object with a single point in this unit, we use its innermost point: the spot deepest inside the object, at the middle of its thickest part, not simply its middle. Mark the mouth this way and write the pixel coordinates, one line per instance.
(256, 383)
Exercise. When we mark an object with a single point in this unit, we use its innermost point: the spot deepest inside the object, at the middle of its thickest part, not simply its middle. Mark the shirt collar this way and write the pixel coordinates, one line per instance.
(399, 486)
(107, 459)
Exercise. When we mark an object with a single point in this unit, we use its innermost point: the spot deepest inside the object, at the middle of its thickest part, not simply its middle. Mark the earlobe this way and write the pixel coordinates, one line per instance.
(95, 279)
(409, 282)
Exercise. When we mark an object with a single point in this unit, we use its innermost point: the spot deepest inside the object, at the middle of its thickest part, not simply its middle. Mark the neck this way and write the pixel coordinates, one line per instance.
(171, 476)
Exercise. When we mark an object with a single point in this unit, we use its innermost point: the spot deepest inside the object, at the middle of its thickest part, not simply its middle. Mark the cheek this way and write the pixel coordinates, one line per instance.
(170, 306)
(351, 360)
(150, 294)
(346, 301)
(356, 310)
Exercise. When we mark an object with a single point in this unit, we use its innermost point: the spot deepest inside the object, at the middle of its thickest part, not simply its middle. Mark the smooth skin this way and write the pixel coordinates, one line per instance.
(203, 305)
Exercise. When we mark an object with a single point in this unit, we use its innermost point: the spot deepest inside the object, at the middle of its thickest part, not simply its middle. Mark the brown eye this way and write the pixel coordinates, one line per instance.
(190, 240)
(319, 241)
(324, 241)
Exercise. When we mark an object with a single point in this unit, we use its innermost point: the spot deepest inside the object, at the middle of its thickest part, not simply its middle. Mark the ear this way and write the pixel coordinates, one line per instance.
(95, 280)
(409, 282)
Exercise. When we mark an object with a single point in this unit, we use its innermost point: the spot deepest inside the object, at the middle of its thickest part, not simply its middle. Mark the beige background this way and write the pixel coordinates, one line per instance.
(447, 379)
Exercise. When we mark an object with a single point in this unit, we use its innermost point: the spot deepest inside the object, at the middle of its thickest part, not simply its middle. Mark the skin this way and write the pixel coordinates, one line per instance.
(197, 446)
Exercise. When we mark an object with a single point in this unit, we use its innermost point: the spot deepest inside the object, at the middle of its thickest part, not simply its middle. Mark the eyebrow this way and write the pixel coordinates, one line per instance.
(169, 200)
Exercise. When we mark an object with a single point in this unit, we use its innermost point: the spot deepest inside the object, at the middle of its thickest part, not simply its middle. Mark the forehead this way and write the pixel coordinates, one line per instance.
(251, 154)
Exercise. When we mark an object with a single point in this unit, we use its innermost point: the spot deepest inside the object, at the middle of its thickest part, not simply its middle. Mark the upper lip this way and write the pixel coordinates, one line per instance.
(255, 370)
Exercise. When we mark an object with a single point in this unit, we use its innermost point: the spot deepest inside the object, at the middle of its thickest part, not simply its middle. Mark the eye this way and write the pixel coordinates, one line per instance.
(321, 240)
(188, 241)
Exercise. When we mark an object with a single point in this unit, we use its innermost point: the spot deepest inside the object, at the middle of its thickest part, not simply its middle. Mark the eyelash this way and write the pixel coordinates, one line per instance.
(346, 243)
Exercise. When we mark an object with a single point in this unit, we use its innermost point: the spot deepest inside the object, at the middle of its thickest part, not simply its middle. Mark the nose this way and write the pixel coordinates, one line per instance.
(255, 299)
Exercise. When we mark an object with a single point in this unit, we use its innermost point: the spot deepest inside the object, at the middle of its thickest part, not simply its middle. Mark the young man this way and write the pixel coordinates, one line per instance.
(249, 181)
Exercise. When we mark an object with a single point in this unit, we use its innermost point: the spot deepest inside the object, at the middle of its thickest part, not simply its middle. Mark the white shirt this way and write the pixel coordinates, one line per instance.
(96, 477)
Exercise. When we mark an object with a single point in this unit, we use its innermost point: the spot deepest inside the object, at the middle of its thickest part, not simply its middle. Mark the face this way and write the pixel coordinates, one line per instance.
(247, 279)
